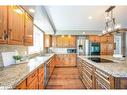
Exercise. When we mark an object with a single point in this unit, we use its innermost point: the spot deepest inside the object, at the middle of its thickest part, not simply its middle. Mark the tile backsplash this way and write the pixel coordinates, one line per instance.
(9, 48)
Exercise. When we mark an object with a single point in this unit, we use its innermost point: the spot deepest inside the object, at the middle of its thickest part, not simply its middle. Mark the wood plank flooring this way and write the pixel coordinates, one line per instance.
(65, 78)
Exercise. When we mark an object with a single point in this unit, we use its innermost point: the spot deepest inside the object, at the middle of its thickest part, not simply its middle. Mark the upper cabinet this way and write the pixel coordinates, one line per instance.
(64, 41)
(94, 38)
(47, 40)
(3, 24)
(16, 26)
(28, 37)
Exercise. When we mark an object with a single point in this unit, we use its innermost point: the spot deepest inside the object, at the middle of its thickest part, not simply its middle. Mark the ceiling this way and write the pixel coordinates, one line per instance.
(76, 17)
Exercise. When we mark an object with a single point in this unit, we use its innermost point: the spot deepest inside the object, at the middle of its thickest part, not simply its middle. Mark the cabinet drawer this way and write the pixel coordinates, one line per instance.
(104, 79)
(32, 77)
(22, 85)
(87, 80)
(33, 84)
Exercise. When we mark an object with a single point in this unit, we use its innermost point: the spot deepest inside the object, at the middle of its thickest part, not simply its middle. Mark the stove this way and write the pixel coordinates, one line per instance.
(100, 60)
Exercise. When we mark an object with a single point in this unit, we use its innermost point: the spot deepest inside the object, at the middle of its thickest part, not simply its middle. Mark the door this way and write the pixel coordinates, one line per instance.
(28, 39)
(3, 24)
(16, 25)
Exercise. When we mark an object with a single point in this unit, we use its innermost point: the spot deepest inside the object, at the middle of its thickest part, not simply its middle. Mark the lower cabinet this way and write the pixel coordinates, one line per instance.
(86, 73)
(22, 85)
(66, 60)
(36, 79)
(103, 80)
(94, 78)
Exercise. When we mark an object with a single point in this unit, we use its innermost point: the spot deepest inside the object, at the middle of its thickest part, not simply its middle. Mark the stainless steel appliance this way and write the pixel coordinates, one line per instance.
(46, 72)
(86, 47)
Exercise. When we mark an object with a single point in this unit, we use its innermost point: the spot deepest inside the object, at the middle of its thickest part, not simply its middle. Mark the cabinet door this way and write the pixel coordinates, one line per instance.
(103, 49)
(104, 39)
(47, 40)
(28, 37)
(16, 25)
(3, 24)
(110, 49)
(72, 41)
(72, 59)
(33, 84)
(65, 42)
(53, 41)
(59, 41)
(22, 85)
(110, 39)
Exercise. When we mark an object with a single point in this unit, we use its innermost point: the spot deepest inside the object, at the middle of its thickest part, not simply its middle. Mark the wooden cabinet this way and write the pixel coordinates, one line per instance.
(94, 38)
(107, 49)
(64, 41)
(47, 39)
(59, 41)
(103, 80)
(28, 36)
(66, 60)
(22, 85)
(94, 78)
(53, 41)
(86, 74)
(32, 81)
(15, 25)
(41, 77)
(3, 24)
(103, 39)
(33, 84)
(72, 41)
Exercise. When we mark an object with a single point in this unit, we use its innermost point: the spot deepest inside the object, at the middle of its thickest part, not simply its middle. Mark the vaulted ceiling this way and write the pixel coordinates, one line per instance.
(76, 17)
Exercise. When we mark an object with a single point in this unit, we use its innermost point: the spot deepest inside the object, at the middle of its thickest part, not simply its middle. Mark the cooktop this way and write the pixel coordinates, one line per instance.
(100, 60)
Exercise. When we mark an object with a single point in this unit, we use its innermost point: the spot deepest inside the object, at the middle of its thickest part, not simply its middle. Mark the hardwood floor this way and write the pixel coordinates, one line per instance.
(65, 78)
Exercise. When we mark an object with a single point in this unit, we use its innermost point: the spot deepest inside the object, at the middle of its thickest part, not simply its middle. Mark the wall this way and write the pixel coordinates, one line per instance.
(8, 48)
(78, 32)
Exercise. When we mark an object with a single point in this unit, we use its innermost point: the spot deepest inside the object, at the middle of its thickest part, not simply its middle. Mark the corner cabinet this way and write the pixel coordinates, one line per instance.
(28, 37)
(3, 24)
(15, 25)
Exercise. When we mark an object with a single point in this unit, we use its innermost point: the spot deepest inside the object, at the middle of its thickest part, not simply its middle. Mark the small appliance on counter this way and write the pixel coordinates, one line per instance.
(70, 50)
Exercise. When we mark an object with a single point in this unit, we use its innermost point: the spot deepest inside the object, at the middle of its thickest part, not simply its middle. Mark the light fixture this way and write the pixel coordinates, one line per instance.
(31, 10)
(90, 17)
(19, 11)
(84, 33)
(110, 24)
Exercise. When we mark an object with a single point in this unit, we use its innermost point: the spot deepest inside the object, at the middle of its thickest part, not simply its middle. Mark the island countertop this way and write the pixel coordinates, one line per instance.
(118, 68)
(12, 75)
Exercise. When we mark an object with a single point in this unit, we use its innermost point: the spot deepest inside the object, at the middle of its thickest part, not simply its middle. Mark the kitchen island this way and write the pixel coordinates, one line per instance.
(107, 75)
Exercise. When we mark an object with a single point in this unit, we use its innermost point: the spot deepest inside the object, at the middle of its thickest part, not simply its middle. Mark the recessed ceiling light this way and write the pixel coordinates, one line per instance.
(32, 10)
(84, 33)
(90, 17)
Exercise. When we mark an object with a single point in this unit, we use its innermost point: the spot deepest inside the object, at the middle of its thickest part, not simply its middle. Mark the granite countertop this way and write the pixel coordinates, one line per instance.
(12, 75)
(118, 68)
